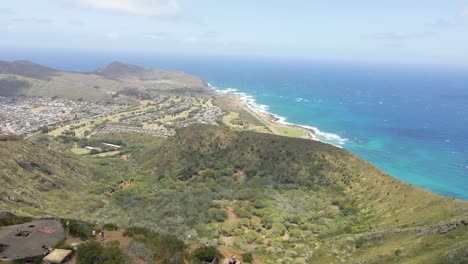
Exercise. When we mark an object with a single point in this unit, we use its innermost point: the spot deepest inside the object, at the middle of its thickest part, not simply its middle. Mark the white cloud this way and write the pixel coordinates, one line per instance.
(465, 12)
(113, 35)
(159, 36)
(11, 27)
(392, 36)
(136, 7)
(191, 40)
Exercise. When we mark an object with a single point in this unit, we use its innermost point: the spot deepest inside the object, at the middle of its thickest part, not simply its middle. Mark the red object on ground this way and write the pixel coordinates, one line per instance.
(47, 229)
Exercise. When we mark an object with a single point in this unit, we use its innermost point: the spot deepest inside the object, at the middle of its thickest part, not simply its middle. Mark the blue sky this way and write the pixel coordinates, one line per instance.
(394, 31)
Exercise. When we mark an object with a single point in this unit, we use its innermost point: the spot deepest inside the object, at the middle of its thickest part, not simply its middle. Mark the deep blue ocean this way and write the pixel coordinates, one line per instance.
(410, 121)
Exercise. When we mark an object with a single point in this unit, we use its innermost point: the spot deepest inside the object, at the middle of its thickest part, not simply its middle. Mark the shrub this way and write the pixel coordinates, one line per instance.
(218, 215)
(110, 227)
(77, 228)
(15, 220)
(205, 253)
(62, 245)
(278, 229)
(95, 252)
(360, 242)
(167, 247)
(247, 257)
(458, 255)
(94, 151)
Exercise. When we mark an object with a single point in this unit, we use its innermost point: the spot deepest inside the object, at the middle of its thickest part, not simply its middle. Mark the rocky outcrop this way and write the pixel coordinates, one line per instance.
(441, 229)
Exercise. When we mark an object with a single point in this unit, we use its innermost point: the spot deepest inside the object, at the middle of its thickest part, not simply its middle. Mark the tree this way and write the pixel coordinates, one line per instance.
(205, 253)
(45, 129)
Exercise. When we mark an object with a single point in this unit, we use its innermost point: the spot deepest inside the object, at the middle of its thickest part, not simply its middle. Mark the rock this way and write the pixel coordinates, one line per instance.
(375, 236)
(440, 229)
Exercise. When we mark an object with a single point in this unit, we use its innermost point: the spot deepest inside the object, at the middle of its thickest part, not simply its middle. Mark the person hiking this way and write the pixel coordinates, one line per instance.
(233, 260)
(94, 234)
(102, 234)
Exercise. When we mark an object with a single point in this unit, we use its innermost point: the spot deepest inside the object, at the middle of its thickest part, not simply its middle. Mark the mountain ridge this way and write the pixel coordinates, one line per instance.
(24, 78)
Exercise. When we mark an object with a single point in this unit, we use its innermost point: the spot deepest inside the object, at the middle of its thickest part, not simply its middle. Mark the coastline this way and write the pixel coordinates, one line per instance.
(272, 123)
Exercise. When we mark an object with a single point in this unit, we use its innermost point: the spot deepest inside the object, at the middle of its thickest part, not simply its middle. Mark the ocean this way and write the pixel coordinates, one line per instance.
(410, 121)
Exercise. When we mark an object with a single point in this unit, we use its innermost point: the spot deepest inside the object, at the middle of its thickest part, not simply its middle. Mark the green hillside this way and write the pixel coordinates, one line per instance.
(287, 200)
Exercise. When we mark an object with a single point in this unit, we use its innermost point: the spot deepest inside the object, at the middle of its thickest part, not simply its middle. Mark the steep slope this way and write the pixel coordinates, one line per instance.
(289, 200)
(296, 200)
(37, 181)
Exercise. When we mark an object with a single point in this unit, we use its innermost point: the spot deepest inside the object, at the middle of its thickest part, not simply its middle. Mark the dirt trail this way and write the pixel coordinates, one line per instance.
(229, 252)
(232, 217)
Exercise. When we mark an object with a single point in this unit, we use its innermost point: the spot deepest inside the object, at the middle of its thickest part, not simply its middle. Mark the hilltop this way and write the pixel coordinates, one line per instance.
(107, 84)
(282, 198)
(27, 69)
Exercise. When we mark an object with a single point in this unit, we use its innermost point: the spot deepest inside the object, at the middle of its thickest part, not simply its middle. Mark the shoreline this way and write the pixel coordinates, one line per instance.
(270, 121)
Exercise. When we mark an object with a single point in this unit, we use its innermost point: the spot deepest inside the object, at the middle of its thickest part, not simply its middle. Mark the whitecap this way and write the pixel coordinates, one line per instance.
(327, 137)
(300, 99)
(251, 102)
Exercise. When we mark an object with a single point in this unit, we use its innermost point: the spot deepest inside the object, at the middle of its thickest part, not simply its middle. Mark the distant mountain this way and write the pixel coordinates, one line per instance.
(23, 78)
(27, 69)
(127, 72)
(117, 70)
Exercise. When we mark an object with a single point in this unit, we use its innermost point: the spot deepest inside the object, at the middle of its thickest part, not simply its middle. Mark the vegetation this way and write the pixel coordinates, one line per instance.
(110, 227)
(167, 248)
(78, 228)
(13, 220)
(247, 258)
(95, 252)
(284, 199)
(205, 254)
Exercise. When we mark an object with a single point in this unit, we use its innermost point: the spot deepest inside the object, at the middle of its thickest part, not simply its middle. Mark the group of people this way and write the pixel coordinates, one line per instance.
(102, 234)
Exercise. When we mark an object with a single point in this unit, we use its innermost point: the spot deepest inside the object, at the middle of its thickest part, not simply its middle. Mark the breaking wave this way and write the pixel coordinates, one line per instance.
(251, 102)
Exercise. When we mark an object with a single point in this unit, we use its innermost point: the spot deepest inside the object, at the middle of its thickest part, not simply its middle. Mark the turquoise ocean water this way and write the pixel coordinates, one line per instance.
(411, 121)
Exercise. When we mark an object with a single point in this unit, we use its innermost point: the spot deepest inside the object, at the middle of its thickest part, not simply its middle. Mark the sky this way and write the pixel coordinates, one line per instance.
(394, 31)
